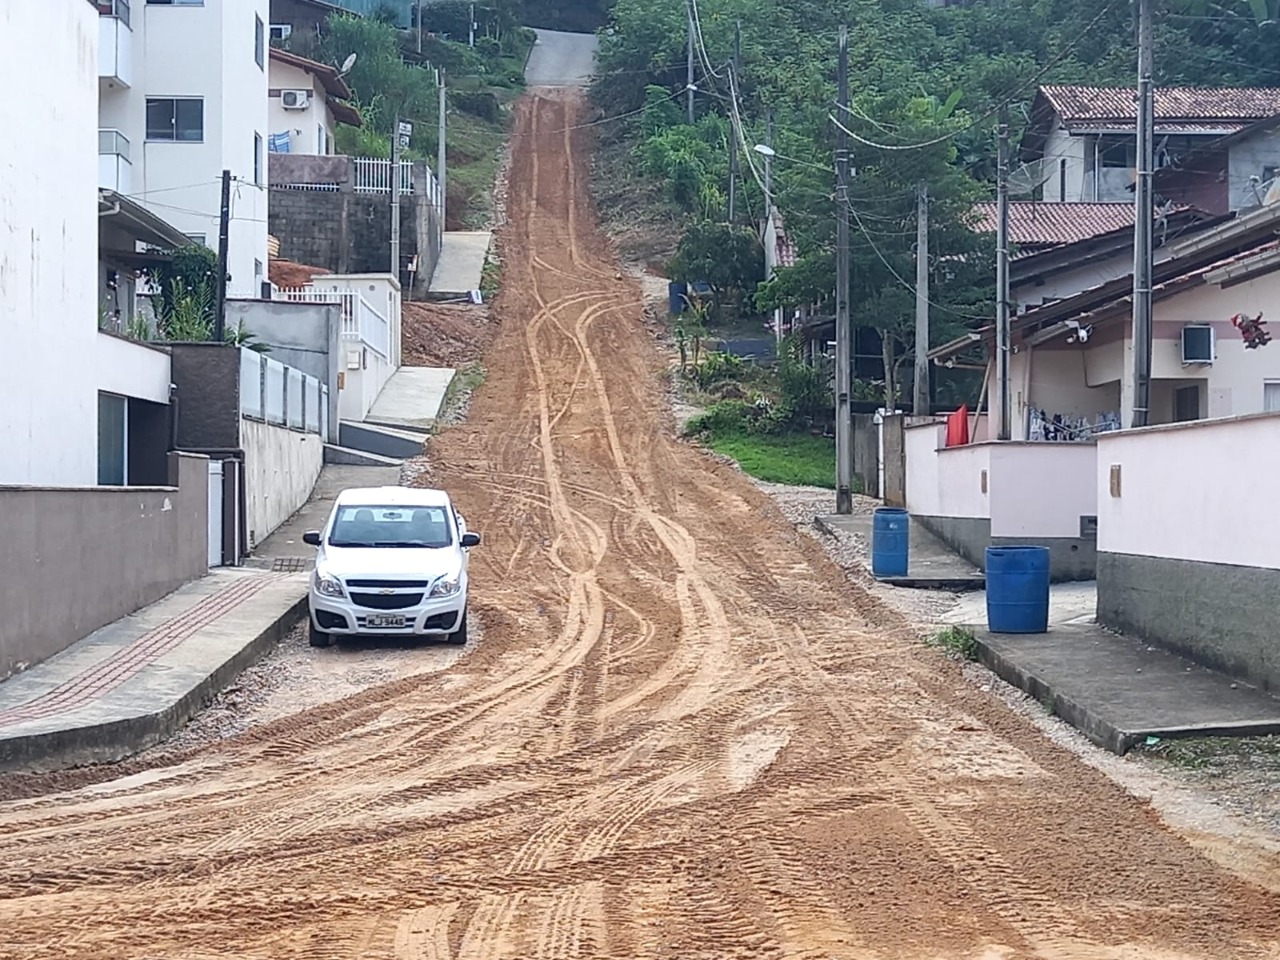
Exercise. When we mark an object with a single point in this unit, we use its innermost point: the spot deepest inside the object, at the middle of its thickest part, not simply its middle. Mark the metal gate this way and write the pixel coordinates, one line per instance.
(215, 513)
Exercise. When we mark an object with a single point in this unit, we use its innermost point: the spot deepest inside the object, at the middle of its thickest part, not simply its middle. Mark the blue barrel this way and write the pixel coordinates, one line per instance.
(889, 529)
(1018, 589)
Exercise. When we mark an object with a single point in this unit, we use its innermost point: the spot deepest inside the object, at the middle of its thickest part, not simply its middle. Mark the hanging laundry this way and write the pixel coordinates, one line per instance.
(958, 427)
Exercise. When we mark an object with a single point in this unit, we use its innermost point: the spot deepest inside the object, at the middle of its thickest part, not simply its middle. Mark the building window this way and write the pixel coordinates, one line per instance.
(113, 440)
(259, 42)
(257, 159)
(196, 238)
(1116, 152)
(176, 119)
(1271, 396)
(320, 141)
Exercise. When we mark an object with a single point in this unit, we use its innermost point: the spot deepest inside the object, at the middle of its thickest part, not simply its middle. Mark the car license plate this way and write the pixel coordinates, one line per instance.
(385, 621)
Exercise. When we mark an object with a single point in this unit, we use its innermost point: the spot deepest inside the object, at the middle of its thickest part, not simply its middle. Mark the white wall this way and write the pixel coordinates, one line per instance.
(1192, 492)
(1247, 159)
(941, 481)
(1060, 145)
(132, 369)
(281, 468)
(1076, 380)
(1068, 283)
(311, 129)
(49, 243)
(180, 181)
(1041, 489)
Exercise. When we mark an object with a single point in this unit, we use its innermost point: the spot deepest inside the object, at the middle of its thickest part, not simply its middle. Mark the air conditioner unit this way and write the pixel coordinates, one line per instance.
(1198, 344)
(281, 31)
(295, 99)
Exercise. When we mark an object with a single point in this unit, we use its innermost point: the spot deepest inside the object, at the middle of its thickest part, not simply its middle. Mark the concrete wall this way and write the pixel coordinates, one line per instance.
(77, 559)
(207, 376)
(133, 369)
(1248, 159)
(995, 493)
(1188, 544)
(305, 336)
(1059, 146)
(281, 468)
(49, 243)
(180, 181)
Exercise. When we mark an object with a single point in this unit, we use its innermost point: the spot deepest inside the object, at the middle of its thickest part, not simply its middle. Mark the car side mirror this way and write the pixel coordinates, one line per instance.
(311, 538)
(470, 540)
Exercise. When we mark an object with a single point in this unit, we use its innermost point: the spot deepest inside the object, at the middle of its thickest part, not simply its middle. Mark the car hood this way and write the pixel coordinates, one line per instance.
(395, 563)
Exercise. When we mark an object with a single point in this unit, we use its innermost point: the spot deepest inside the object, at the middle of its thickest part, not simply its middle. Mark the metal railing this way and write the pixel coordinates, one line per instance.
(115, 8)
(282, 396)
(113, 143)
(374, 176)
(360, 319)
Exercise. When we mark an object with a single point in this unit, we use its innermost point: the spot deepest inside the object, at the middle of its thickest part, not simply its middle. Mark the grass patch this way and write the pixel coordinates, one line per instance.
(490, 277)
(459, 392)
(1211, 753)
(956, 641)
(798, 459)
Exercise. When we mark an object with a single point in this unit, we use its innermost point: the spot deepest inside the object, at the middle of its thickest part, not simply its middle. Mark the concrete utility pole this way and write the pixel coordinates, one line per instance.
(844, 332)
(419, 5)
(1002, 275)
(1144, 215)
(768, 162)
(920, 392)
(224, 241)
(471, 27)
(395, 198)
(733, 139)
(441, 155)
(688, 13)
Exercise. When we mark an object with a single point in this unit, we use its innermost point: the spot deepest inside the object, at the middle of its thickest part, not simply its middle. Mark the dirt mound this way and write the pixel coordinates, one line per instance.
(444, 334)
(287, 273)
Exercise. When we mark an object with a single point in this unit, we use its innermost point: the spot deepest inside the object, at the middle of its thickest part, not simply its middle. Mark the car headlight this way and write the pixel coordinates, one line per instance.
(446, 587)
(327, 586)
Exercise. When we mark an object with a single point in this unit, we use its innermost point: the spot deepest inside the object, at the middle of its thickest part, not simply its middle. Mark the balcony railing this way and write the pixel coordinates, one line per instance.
(115, 170)
(114, 8)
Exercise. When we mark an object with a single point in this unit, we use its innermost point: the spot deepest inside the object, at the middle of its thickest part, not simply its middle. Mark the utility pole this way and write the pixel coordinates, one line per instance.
(844, 333)
(768, 162)
(733, 140)
(224, 241)
(1144, 215)
(419, 26)
(441, 156)
(395, 198)
(471, 27)
(1002, 275)
(920, 398)
(688, 14)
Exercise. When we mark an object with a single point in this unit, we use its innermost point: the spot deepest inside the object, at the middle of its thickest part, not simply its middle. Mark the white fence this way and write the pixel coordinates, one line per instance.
(374, 176)
(361, 320)
(283, 396)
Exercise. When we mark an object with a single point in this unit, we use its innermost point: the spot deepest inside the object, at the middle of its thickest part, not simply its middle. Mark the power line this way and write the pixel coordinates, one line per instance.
(1033, 81)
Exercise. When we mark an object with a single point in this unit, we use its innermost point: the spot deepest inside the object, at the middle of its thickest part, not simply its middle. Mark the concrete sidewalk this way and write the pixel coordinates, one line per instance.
(134, 682)
(412, 397)
(461, 265)
(931, 564)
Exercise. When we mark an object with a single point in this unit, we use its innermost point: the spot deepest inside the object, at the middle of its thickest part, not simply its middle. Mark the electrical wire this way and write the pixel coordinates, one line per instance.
(1033, 81)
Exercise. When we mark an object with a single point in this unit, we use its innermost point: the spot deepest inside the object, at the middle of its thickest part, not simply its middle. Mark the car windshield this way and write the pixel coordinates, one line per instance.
(369, 525)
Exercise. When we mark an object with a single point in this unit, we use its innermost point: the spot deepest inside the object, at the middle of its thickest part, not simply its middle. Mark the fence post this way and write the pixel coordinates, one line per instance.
(284, 380)
(262, 386)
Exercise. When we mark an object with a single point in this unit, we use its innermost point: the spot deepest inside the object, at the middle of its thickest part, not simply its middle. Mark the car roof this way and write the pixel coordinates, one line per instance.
(393, 496)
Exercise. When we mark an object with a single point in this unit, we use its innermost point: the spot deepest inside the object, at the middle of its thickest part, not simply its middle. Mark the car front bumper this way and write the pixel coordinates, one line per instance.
(342, 617)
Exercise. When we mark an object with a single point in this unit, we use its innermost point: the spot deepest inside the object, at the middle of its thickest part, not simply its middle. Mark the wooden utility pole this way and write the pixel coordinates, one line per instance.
(1144, 215)
(224, 242)
(920, 391)
(733, 139)
(688, 13)
(1002, 275)
(844, 332)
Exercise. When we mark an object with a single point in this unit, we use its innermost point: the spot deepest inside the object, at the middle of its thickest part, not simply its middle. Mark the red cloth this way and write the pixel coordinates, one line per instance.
(958, 427)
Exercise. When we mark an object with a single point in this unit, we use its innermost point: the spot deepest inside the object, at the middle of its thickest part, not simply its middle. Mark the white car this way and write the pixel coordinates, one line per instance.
(391, 561)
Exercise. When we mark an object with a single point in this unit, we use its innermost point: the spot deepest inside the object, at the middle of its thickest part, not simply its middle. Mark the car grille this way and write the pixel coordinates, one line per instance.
(386, 601)
(389, 584)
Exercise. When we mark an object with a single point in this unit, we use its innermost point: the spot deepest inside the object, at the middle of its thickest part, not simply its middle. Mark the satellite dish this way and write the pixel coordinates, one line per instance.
(1027, 178)
(347, 65)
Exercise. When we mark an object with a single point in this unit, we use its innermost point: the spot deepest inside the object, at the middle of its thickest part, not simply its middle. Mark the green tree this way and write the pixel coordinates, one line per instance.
(727, 258)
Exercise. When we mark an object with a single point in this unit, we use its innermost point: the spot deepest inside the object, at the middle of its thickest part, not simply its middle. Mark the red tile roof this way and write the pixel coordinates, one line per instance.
(1035, 224)
(786, 250)
(1230, 106)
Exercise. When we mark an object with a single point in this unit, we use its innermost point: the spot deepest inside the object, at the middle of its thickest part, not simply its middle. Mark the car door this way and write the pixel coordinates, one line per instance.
(461, 523)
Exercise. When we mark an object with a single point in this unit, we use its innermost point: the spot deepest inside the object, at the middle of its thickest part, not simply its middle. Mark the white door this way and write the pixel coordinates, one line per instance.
(1271, 396)
(215, 513)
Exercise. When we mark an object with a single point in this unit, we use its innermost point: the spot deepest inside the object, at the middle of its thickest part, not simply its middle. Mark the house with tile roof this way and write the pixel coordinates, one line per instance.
(1226, 174)
(1083, 138)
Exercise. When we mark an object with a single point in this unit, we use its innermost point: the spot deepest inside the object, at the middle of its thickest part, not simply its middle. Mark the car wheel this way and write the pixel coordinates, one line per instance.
(459, 636)
(318, 638)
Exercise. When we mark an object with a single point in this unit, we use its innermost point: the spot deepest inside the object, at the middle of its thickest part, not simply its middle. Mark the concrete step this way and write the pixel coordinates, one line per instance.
(334, 454)
(381, 440)
(417, 428)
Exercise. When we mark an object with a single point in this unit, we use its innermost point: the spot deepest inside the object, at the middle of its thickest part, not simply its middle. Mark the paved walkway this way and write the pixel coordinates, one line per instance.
(561, 59)
(461, 265)
(931, 564)
(132, 683)
(412, 397)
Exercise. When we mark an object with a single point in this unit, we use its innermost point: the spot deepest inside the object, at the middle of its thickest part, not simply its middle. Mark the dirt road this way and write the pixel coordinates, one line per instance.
(684, 735)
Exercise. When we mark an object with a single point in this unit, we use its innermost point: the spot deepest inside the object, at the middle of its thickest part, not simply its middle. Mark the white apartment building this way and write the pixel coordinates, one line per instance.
(70, 391)
(183, 96)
